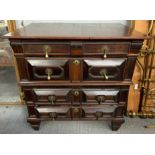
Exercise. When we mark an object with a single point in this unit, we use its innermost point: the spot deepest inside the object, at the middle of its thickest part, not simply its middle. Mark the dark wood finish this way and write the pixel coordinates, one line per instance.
(53, 48)
(76, 71)
(75, 31)
(54, 113)
(105, 96)
(38, 68)
(72, 96)
(111, 48)
(107, 69)
(51, 96)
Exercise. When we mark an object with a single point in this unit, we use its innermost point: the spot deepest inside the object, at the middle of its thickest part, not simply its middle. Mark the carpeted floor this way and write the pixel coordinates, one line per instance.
(13, 121)
(8, 85)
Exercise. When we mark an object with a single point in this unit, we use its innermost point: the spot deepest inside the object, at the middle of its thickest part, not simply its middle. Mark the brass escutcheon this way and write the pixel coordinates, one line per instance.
(76, 110)
(76, 93)
(76, 62)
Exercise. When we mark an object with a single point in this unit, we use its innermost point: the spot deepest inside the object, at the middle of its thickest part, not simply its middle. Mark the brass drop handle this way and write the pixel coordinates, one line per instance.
(99, 114)
(106, 77)
(46, 52)
(49, 73)
(100, 99)
(53, 115)
(76, 62)
(103, 73)
(104, 50)
(52, 99)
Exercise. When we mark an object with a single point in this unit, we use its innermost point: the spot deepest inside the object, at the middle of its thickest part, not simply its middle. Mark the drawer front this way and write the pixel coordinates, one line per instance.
(54, 113)
(57, 96)
(106, 49)
(60, 69)
(76, 112)
(47, 69)
(105, 96)
(96, 112)
(55, 48)
(76, 96)
(104, 70)
(52, 96)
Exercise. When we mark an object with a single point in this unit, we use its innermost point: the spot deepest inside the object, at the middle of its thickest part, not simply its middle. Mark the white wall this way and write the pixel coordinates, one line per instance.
(26, 22)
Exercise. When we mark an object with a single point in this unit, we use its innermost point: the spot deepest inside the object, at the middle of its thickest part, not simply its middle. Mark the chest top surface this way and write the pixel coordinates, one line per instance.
(85, 31)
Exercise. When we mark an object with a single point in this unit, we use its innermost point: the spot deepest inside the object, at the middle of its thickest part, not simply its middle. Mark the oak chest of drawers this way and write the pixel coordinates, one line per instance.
(76, 71)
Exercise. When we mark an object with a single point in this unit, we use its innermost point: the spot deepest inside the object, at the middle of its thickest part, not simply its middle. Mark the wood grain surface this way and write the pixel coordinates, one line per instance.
(75, 31)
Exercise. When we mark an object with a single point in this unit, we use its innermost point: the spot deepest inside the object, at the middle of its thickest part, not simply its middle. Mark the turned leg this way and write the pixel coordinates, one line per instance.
(116, 124)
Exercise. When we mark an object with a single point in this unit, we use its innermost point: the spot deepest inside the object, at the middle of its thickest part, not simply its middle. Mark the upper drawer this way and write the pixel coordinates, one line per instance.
(105, 70)
(47, 69)
(54, 48)
(106, 48)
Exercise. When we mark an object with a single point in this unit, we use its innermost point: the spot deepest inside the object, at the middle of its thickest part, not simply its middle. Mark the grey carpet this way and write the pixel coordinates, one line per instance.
(13, 121)
(8, 86)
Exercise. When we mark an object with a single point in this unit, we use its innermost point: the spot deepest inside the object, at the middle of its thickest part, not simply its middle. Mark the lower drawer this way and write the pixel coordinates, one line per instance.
(76, 96)
(97, 112)
(79, 112)
(54, 113)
